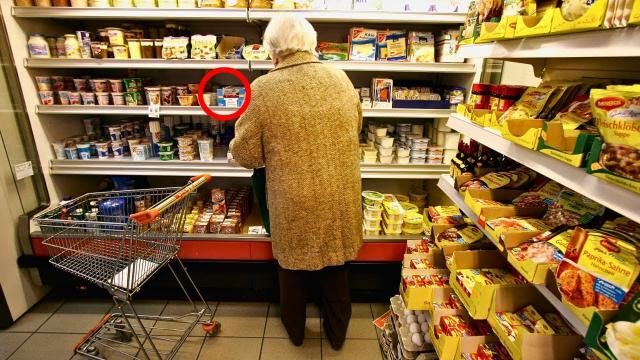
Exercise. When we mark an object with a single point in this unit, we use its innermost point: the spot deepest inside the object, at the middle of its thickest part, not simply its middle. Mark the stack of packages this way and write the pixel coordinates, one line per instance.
(372, 211)
(401, 213)
(229, 210)
(392, 215)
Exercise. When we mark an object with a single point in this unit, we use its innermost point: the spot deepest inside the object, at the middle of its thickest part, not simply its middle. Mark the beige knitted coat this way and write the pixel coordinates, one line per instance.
(302, 124)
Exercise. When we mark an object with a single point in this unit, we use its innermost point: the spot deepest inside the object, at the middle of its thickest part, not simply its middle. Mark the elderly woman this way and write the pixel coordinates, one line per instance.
(302, 125)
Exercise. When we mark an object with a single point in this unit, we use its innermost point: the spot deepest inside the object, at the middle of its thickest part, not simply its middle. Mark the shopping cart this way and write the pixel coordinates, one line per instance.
(118, 240)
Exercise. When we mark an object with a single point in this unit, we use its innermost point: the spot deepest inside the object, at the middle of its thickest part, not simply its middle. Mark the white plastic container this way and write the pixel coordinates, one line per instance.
(392, 229)
(449, 155)
(417, 129)
(386, 159)
(442, 125)
(370, 231)
(451, 140)
(403, 152)
(403, 160)
(205, 148)
(371, 136)
(38, 47)
(385, 151)
(370, 211)
(371, 223)
(385, 141)
(381, 132)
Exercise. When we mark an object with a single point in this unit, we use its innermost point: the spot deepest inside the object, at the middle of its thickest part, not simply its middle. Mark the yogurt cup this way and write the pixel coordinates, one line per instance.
(58, 149)
(167, 95)
(71, 153)
(84, 151)
(120, 51)
(403, 160)
(100, 85)
(103, 98)
(138, 152)
(44, 83)
(385, 141)
(182, 90)
(118, 98)
(116, 85)
(403, 152)
(153, 95)
(74, 98)
(381, 131)
(64, 97)
(166, 155)
(372, 198)
(57, 82)
(165, 146)
(80, 85)
(88, 98)
(145, 3)
(115, 133)
(385, 151)
(46, 97)
(116, 35)
(118, 149)
(386, 159)
(205, 148)
(371, 223)
(185, 100)
(103, 150)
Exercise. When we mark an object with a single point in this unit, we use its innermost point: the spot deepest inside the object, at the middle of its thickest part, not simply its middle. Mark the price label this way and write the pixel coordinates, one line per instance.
(23, 170)
(154, 111)
(231, 102)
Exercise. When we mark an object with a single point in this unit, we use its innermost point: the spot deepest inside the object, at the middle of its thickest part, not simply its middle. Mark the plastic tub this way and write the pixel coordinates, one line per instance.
(99, 85)
(118, 98)
(120, 51)
(370, 231)
(44, 83)
(373, 211)
(166, 155)
(371, 222)
(372, 198)
(413, 219)
(370, 160)
(80, 85)
(386, 159)
(409, 208)
(392, 229)
(385, 151)
(385, 141)
(165, 146)
(185, 141)
(205, 148)
(58, 149)
(451, 140)
(138, 152)
(371, 136)
(381, 132)
(88, 98)
(46, 97)
(185, 100)
(74, 98)
(393, 215)
(116, 35)
(84, 151)
(71, 153)
(369, 152)
(103, 98)
(401, 198)
(118, 149)
(418, 195)
(403, 160)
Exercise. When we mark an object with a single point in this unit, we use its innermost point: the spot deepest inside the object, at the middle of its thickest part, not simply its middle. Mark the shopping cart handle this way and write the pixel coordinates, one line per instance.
(207, 178)
(145, 217)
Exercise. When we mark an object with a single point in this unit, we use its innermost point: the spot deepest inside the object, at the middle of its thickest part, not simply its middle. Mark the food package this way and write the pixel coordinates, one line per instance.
(420, 264)
(617, 115)
(447, 46)
(235, 4)
(492, 351)
(210, 3)
(175, 47)
(617, 339)
(382, 92)
(445, 215)
(260, 4)
(203, 47)
(254, 52)
(391, 45)
(546, 248)
(230, 47)
(219, 202)
(284, 4)
(599, 270)
(471, 28)
(362, 44)
(573, 9)
(231, 96)
(456, 325)
(576, 114)
(421, 47)
(571, 209)
(530, 104)
(464, 235)
(333, 51)
(519, 7)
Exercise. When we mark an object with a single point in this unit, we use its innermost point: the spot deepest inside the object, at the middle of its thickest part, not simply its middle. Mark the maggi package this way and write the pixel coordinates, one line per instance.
(531, 104)
(617, 117)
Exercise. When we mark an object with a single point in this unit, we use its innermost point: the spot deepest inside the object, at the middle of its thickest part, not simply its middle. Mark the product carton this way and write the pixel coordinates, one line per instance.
(478, 297)
(535, 260)
(362, 44)
(592, 19)
(416, 250)
(452, 347)
(530, 346)
(421, 47)
(524, 132)
(596, 169)
(417, 296)
(382, 92)
(491, 31)
(537, 25)
(512, 231)
(447, 47)
(568, 146)
(391, 45)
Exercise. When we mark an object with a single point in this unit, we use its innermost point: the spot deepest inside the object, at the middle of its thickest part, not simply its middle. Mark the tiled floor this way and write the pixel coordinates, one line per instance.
(250, 331)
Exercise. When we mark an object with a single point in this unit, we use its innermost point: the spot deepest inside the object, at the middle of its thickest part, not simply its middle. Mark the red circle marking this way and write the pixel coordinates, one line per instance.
(224, 70)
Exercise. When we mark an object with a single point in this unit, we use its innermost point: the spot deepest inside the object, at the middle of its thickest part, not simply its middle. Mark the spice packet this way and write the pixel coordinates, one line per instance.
(572, 209)
(530, 104)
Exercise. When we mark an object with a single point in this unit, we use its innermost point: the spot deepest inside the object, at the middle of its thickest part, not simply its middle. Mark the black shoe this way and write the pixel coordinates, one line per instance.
(336, 344)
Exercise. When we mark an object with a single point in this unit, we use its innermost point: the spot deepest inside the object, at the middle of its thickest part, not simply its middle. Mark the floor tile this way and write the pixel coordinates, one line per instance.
(10, 342)
(188, 351)
(77, 316)
(220, 348)
(242, 319)
(352, 349)
(283, 349)
(275, 329)
(361, 324)
(32, 320)
(180, 310)
(46, 347)
(379, 308)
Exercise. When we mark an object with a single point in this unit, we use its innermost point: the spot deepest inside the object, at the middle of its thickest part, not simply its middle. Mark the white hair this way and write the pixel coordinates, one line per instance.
(287, 34)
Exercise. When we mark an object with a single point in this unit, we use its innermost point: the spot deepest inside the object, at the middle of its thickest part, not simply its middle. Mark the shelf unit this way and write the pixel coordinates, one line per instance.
(607, 194)
(196, 110)
(336, 16)
(591, 44)
(446, 184)
(360, 66)
(221, 168)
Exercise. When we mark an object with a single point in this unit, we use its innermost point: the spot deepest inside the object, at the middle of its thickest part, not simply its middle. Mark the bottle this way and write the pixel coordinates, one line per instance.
(60, 47)
(38, 47)
(71, 46)
(53, 50)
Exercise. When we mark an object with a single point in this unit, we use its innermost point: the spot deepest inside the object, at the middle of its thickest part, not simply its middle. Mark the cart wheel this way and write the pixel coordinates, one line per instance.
(211, 328)
(92, 350)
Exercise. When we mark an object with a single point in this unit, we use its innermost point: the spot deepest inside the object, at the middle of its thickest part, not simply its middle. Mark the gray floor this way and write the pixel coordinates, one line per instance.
(250, 331)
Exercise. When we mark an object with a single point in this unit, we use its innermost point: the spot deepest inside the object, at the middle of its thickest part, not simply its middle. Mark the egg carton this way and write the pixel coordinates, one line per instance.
(404, 335)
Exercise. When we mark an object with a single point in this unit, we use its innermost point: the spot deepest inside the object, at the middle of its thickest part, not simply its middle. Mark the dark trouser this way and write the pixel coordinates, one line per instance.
(333, 285)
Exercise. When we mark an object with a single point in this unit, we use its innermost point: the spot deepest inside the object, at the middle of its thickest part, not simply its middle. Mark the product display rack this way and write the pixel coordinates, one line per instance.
(605, 193)
(446, 184)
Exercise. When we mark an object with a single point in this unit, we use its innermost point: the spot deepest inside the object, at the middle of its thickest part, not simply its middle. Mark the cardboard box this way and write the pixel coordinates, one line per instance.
(478, 303)
(536, 272)
(362, 44)
(422, 297)
(592, 19)
(595, 168)
(491, 31)
(529, 346)
(524, 132)
(382, 93)
(529, 26)
(568, 146)
(511, 237)
(434, 255)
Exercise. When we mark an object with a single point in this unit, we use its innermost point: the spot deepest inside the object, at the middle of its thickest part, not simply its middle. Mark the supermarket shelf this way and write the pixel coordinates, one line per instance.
(589, 44)
(377, 66)
(446, 185)
(613, 197)
(573, 320)
(388, 17)
(196, 110)
(219, 167)
(129, 13)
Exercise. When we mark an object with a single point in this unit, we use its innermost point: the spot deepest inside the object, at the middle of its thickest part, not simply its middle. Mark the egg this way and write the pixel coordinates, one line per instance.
(417, 339)
(414, 328)
(427, 339)
(408, 312)
(424, 327)
(421, 318)
(411, 319)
